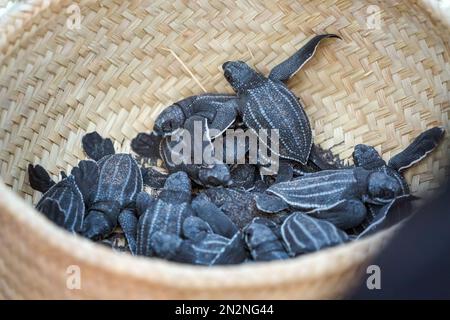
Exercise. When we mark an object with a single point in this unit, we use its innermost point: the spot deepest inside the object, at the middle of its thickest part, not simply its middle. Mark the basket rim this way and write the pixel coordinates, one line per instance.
(308, 267)
(303, 268)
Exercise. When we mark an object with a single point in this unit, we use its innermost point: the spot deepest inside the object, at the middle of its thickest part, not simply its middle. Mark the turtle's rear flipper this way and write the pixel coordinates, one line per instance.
(39, 178)
(323, 160)
(86, 177)
(421, 146)
(96, 147)
(147, 146)
(219, 222)
(285, 70)
(345, 215)
(388, 215)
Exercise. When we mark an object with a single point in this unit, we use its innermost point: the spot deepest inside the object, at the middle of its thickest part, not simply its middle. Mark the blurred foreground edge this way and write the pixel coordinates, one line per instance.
(416, 263)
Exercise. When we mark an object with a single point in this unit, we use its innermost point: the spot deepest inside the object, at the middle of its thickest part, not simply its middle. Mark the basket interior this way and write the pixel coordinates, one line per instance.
(129, 59)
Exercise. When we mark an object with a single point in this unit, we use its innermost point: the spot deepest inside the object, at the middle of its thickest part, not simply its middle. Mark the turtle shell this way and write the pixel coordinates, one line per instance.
(263, 241)
(273, 106)
(63, 204)
(321, 190)
(167, 213)
(120, 179)
(303, 234)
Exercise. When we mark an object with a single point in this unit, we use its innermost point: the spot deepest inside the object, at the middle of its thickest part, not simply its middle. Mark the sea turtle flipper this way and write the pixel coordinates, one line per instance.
(97, 147)
(147, 145)
(421, 146)
(367, 157)
(39, 178)
(86, 177)
(224, 117)
(289, 67)
(388, 215)
(128, 222)
(270, 203)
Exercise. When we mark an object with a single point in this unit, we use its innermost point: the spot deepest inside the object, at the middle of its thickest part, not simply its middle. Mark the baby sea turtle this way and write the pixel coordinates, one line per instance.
(64, 202)
(170, 150)
(119, 182)
(211, 248)
(263, 103)
(348, 189)
(218, 109)
(266, 103)
(217, 220)
(263, 239)
(303, 234)
(368, 158)
(164, 214)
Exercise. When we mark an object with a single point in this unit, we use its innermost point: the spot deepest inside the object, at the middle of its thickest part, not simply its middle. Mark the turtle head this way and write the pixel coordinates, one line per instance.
(382, 188)
(367, 157)
(215, 175)
(178, 181)
(169, 120)
(240, 75)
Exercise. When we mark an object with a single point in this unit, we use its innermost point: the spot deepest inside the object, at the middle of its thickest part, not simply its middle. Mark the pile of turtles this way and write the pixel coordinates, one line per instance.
(220, 213)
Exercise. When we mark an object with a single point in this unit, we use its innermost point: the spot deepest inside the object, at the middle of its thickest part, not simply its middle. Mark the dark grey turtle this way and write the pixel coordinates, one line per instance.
(263, 103)
(348, 189)
(211, 248)
(263, 239)
(166, 213)
(39, 178)
(171, 247)
(266, 103)
(304, 234)
(119, 182)
(218, 109)
(368, 158)
(178, 158)
(63, 204)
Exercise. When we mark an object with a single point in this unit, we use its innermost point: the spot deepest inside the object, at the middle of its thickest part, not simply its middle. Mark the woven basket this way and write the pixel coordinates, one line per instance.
(382, 85)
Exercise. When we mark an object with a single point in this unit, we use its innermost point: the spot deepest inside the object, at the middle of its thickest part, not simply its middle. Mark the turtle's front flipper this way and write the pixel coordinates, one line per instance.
(128, 222)
(285, 70)
(269, 203)
(147, 145)
(96, 147)
(285, 172)
(225, 114)
(101, 219)
(388, 215)
(39, 178)
(345, 215)
(421, 146)
(153, 178)
(86, 177)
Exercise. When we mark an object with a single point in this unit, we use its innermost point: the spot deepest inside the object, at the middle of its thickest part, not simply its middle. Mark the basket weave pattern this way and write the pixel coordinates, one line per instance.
(129, 59)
